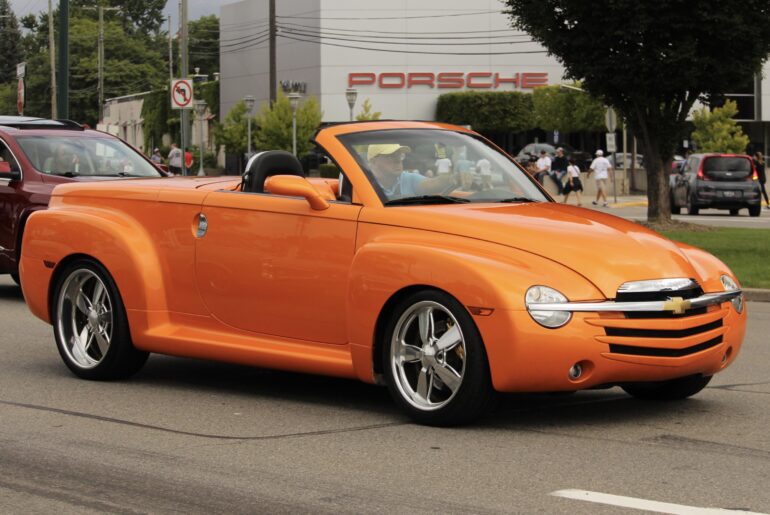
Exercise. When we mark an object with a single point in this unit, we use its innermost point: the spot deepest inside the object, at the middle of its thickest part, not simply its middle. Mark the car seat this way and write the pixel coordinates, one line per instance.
(266, 164)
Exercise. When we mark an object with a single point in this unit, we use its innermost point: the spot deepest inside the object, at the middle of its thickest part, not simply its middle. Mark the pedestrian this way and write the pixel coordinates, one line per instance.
(602, 167)
(573, 181)
(559, 169)
(188, 161)
(759, 164)
(175, 159)
(543, 166)
(156, 156)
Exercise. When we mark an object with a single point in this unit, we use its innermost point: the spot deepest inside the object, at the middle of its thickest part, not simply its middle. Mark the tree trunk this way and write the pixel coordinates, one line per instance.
(658, 202)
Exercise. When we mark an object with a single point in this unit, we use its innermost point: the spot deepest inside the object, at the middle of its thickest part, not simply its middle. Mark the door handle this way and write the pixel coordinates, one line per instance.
(203, 226)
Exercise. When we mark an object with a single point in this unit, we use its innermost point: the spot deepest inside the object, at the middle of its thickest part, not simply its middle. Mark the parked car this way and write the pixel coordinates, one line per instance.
(442, 288)
(36, 155)
(718, 181)
(618, 158)
(583, 159)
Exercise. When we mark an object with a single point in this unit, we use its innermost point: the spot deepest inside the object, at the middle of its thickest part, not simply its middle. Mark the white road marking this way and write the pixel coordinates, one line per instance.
(644, 504)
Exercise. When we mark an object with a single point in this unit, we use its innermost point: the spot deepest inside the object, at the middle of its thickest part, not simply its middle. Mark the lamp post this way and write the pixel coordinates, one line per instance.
(294, 101)
(200, 109)
(249, 101)
(351, 94)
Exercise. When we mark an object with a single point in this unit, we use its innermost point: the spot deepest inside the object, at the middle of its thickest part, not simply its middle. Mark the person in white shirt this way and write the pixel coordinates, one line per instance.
(175, 160)
(603, 168)
(543, 166)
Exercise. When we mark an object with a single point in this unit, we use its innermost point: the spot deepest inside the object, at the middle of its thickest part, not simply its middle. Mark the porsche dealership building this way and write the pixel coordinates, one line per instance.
(401, 55)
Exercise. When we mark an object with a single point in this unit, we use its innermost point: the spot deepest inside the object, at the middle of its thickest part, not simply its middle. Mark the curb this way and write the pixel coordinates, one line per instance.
(639, 203)
(757, 294)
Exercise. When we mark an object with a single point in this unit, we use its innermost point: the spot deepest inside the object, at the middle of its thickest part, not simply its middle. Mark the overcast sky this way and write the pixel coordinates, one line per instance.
(196, 8)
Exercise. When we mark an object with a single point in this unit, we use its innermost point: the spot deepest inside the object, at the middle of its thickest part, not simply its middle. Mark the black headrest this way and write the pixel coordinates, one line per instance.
(266, 164)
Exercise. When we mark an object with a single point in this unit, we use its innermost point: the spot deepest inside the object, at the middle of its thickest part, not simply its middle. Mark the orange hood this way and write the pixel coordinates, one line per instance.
(604, 249)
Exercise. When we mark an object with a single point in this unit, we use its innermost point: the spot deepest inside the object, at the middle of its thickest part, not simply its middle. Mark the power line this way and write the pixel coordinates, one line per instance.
(509, 32)
(321, 42)
(410, 43)
(391, 17)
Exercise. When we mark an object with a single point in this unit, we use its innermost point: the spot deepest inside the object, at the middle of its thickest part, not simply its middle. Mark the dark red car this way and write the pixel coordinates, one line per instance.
(37, 154)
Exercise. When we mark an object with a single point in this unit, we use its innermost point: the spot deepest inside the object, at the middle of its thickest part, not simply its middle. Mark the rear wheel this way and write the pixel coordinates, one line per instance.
(90, 324)
(755, 210)
(675, 389)
(15, 277)
(734, 212)
(434, 360)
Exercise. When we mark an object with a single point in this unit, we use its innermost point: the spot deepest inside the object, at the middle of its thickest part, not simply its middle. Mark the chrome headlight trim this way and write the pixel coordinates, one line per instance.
(549, 318)
(730, 285)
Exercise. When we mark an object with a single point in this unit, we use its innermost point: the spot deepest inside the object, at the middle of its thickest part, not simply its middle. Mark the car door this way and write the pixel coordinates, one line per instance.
(272, 265)
(10, 206)
(680, 185)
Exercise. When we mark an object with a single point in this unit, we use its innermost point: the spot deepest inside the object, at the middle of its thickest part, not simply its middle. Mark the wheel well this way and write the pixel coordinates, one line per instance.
(382, 321)
(60, 267)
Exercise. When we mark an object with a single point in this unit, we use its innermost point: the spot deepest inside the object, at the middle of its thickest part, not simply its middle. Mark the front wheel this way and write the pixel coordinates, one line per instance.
(435, 363)
(755, 210)
(734, 212)
(673, 390)
(692, 209)
(15, 277)
(90, 324)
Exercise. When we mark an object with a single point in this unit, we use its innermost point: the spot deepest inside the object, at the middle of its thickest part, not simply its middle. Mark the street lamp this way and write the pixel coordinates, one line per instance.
(351, 94)
(200, 109)
(294, 101)
(249, 101)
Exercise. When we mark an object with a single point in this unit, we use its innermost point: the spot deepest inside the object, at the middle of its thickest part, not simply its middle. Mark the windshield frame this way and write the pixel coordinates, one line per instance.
(344, 140)
(82, 141)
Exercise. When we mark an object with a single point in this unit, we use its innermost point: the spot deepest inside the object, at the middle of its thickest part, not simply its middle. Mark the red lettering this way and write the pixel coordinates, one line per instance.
(513, 80)
(360, 79)
(469, 81)
(533, 80)
(400, 80)
(420, 79)
(451, 80)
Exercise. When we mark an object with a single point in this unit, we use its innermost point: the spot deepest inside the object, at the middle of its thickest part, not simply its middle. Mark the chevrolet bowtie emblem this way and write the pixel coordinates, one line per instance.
(676, 304)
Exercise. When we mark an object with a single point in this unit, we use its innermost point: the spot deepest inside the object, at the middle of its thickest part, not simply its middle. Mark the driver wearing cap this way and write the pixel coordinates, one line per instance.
(386, 163)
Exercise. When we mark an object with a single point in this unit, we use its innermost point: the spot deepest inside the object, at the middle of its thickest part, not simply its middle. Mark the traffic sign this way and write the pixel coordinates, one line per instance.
(181, 94)
(611, 145)
(20, 97)
(610, 120)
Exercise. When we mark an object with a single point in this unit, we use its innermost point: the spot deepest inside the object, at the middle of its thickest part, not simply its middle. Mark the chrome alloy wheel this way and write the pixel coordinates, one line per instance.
(427, 355)
(84, 318)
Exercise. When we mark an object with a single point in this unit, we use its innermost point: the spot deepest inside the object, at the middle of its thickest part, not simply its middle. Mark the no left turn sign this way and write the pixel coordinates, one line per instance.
(181, 94)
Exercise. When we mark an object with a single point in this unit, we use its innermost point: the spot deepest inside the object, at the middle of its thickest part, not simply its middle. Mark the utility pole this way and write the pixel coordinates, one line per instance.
(170, 52)
(52, 56)
(185, 115)
(100, 57)
(273, 79)
(63, 91)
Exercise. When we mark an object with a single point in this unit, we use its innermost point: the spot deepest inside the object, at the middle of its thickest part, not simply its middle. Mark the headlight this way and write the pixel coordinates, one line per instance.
(546, 295)
(729, 284)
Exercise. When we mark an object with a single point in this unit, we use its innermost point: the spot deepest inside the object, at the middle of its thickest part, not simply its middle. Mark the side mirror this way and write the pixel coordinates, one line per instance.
(8, 171)
(295, 186)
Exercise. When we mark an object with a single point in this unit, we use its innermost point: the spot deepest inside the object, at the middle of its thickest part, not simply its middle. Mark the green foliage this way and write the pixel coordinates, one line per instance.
(275, 125)
(135, 16)
(233, 131)
(566, 111)
(366, 113)
(509, 111)
(10, 43)
(203, 47)
(651, 61)
(328, 171)
(155, 111)
(209, 91)
(717, 130)
(7, 99)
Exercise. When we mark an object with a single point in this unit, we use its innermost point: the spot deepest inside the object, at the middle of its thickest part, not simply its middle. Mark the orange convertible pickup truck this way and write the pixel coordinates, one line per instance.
(434, 264)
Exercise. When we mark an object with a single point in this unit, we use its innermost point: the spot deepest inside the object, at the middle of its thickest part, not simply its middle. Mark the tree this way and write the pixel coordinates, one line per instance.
(566, 111)
(136, 16)
(652, 61)
(204, 44)
(717, 130)
(504, 111)
(10, 43)
(233, 131)
(366, 113)
(275, 125)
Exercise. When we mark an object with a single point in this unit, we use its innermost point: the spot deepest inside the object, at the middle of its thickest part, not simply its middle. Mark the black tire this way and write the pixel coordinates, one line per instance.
(755, 210)
(734, 212)
(675, 210)
(89, 361)
(692, 209)
(15, 277)
(472, 395)
(673, 390)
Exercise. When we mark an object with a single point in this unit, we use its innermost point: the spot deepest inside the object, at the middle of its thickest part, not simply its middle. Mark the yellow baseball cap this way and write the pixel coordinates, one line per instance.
(385, 149)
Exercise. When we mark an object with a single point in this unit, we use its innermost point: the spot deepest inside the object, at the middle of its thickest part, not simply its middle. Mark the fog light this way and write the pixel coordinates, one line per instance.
(575, 371)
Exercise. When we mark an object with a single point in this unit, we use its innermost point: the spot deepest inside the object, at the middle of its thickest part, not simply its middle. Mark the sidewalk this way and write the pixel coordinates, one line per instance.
(623, 200)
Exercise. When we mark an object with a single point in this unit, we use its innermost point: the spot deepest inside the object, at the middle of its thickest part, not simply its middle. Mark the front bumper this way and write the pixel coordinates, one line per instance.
(612, 347)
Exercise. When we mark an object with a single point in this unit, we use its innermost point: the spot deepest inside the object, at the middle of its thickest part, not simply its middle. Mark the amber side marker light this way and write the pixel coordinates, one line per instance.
(482, 312)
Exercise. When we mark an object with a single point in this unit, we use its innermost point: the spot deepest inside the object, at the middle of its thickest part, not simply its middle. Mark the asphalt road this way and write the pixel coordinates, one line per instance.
(186, 436)
(714, 217)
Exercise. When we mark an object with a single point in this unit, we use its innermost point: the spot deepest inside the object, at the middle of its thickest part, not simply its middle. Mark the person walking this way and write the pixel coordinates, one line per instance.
(175, 160)
(759, 164)
(156, 157)
(559, 169)
(573, 181)
(603, 168)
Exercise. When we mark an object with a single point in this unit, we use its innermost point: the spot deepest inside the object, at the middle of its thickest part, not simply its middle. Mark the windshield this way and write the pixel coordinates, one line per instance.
(71, 157)
(412, 166)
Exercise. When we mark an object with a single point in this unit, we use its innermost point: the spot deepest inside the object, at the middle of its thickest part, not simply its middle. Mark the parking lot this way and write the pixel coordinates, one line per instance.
(199, 437)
